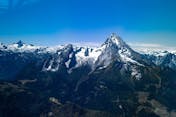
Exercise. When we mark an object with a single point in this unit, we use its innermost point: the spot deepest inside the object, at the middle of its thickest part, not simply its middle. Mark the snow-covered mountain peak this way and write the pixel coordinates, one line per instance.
(17, 45)
(115, 45)
(115, 49)
(114, 40)
(1, 45)
(20, 43)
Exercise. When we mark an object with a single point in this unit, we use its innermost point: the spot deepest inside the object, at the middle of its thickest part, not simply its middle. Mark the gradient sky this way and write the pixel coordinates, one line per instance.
(53, 22)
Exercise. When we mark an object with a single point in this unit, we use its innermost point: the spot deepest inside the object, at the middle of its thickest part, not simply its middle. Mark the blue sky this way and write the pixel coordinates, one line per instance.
(52, 22)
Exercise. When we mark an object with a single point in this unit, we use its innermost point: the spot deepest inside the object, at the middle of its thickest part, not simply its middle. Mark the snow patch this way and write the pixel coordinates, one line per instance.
(136, 74)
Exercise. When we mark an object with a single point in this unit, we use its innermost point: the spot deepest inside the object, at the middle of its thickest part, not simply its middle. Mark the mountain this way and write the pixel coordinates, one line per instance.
(110, 80)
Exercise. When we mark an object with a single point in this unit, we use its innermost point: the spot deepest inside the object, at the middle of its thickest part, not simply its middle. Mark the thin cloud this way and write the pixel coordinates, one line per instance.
(151, 47)
(87, 44)
(6, 5)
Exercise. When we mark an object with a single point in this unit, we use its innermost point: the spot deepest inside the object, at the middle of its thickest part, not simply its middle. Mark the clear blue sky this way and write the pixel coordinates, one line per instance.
(51, 22)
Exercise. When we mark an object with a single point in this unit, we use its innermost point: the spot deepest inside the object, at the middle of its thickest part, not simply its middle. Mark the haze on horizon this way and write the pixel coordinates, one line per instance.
(53, 22)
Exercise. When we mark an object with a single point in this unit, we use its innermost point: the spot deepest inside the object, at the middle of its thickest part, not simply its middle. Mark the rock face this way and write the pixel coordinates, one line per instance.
(110, 80)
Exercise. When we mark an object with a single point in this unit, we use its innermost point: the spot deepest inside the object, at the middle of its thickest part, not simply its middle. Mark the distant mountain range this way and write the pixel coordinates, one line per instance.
(68, 80)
